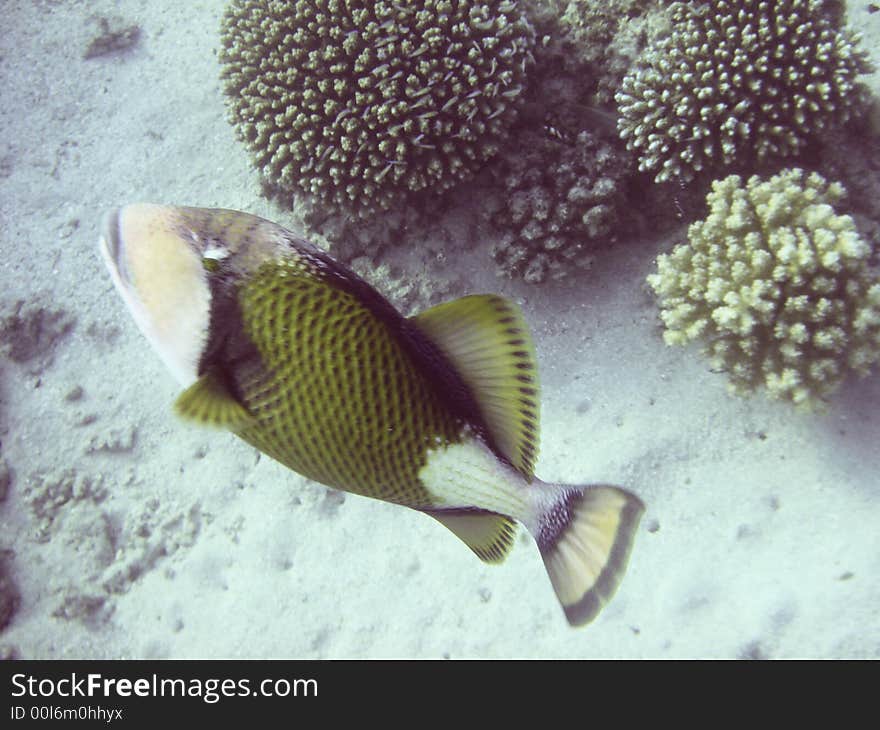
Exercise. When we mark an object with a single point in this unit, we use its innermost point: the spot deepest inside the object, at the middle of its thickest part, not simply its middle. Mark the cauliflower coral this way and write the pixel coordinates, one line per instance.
(776, 285)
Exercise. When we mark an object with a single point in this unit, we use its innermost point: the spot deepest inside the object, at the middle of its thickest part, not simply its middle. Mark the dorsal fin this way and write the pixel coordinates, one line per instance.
(487, 340)
(489, 535)
(208, 402)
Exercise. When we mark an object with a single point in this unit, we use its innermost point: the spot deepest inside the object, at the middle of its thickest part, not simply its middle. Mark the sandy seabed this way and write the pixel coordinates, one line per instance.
(127, 533)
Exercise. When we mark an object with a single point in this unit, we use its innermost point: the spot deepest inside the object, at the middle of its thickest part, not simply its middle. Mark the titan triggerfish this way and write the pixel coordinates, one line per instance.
(294, 353)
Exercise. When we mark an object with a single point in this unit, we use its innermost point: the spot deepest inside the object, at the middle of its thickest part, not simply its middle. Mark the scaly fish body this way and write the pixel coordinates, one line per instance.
(304, 360)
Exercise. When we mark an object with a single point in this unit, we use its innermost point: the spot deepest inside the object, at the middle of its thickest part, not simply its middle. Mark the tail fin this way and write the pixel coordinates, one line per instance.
(585, 536)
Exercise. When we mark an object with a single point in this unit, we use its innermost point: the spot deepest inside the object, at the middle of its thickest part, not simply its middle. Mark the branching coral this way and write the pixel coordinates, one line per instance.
(608, 35)
(776, 285)
(360, 103)
(562, 198)
(739, 80)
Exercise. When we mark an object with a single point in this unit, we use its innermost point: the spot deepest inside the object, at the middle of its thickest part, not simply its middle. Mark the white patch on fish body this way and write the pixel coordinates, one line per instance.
(469, 474)
(215, 252)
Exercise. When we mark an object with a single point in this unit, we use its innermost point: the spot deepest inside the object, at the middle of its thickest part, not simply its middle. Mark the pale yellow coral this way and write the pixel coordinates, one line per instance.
(777, 285)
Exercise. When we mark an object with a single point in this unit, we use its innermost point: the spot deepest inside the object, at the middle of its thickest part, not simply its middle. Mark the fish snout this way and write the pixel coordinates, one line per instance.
(110, 242)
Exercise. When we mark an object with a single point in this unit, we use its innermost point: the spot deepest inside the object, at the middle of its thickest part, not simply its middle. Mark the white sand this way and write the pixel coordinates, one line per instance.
(136, 535)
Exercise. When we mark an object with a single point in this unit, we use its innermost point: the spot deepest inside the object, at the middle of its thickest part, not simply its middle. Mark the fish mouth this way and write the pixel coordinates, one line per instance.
(110, 244)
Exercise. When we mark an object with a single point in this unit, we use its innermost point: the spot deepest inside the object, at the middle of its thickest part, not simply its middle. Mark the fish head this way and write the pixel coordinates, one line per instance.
(179, 268)
(158, 269)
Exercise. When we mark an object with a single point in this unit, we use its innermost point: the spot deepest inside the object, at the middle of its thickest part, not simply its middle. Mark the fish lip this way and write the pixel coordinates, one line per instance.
(111, 243)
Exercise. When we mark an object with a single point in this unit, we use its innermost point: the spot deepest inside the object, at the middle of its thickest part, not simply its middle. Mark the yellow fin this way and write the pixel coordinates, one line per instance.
(487, 340)
(209, 403)
(489, 535)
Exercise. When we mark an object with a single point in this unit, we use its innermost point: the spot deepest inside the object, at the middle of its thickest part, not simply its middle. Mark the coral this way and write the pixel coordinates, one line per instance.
(596, 22)
(739, 81)
(562, 82)
(777, 286)
(608, 36)
(362, 103)
(562, 195)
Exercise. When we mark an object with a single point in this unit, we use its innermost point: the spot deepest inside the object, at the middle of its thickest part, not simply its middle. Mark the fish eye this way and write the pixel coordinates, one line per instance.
(213, 256)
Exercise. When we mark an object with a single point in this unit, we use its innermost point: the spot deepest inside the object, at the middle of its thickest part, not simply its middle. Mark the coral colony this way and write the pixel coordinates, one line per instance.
(777, 287)
(738, 80)
(362, 103)
(561, 202)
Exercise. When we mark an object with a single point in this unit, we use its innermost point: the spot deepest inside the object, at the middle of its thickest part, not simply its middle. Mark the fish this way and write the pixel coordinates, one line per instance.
(272, 339)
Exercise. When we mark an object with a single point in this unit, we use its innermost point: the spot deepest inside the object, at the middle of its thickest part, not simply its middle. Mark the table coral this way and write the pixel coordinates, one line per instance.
(776, 285)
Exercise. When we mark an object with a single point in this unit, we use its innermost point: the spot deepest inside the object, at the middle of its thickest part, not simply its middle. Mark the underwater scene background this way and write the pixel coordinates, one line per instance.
(684, 200)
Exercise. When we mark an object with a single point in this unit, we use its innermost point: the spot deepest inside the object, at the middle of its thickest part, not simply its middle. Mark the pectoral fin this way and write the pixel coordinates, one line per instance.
(208, 402)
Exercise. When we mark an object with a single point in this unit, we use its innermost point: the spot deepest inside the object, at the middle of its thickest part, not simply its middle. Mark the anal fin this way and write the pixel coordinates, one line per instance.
(489, 535)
